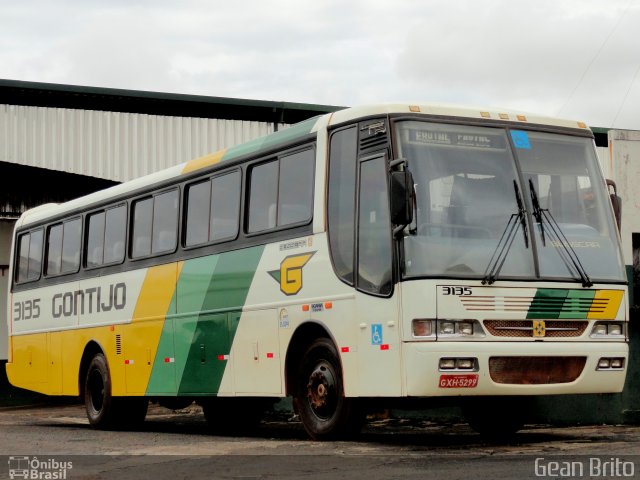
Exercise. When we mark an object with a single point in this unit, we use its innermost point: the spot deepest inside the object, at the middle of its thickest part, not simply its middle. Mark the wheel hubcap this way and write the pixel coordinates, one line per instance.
(321, 389)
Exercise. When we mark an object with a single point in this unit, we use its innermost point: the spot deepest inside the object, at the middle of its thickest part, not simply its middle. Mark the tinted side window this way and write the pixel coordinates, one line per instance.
(374, 229)
(71, 246)
(155, 225)
(165, 222)
(295, 192)
(63, 247)
(141, 237)
(225, 206)
(29, 256)
(106, 232)
(54, 250)
(198, 204)
(95, 240)
(23, 257)
(281, 191)
(115, 234)
(263, 197)
(341, 202)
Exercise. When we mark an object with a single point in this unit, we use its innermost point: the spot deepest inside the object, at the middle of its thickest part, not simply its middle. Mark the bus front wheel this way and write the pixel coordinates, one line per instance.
(319, 394)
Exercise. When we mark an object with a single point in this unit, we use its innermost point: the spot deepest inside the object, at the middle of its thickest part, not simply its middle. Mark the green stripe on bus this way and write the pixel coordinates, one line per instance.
(212, 330)
(554, 303)
(263, 143)
(210, 294)
(547, 303)
(577, 304)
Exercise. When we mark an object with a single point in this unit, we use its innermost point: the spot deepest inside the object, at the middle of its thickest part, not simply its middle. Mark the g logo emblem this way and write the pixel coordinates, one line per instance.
(290, 274)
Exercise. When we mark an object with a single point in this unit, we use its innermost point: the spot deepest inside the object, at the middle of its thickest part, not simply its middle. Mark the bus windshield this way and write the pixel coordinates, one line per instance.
(467, 188)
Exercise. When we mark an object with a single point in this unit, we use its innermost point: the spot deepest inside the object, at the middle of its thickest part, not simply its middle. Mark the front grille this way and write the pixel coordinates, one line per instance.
(535, 370)
(524, 328)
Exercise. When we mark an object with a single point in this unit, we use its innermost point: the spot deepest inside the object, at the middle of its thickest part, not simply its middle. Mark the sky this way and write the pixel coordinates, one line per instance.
(577, 59)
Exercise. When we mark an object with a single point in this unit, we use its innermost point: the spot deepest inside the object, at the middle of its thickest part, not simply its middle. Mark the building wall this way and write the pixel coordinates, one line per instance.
(113, 145)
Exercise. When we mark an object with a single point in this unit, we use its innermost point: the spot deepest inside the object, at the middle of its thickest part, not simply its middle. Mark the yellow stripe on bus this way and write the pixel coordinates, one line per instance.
(606, 304)
(203, 162)
(140, 338)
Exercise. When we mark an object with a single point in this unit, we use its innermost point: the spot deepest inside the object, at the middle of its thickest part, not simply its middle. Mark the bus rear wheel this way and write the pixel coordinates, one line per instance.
(319, 394)
(103, 410)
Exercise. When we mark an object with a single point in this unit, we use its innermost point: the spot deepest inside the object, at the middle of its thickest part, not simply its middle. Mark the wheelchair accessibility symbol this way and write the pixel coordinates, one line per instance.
(376, 334)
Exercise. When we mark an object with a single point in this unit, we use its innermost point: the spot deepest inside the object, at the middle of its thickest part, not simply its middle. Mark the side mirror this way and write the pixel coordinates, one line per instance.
(616, 202)
(401, 197)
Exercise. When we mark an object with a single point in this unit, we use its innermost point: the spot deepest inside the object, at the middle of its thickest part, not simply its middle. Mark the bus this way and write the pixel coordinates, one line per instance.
(371, 256)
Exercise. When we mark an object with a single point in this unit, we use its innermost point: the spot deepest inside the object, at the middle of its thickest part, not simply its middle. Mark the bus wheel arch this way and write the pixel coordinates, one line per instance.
(104, 411)
(90, 350)
(315, 380)
(304, 335)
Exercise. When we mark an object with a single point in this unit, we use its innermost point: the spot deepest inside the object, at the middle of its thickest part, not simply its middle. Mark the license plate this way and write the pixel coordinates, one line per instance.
(458, 381)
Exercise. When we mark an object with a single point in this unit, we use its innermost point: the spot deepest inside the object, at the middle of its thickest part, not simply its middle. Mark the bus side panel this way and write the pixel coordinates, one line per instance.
(154, 306)
(294, 285)
(210, 293)
(28, 368)
(54, 362)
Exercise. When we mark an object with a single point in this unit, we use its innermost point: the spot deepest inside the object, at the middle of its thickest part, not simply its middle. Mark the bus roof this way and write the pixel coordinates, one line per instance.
(298, 130)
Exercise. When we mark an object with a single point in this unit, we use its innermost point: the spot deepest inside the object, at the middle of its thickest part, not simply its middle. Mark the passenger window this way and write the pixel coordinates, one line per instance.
(198, 201)
(106, 233)
(213, 209)
(263, 197)
(115, 234)
(54, 250)
(29, 256)
(225, 206)
(281, 192)
(165, 222)
(295, 192)
(142, 218)
(63, 247)
(155, 225)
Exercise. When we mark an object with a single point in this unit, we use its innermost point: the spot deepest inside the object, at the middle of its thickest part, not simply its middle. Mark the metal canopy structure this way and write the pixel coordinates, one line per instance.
(102, 136)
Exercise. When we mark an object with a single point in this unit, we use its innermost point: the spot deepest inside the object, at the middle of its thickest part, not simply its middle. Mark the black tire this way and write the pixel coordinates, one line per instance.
(97, 393)
(234, 415)
(497, 418)
(103, 410)
(319, 394)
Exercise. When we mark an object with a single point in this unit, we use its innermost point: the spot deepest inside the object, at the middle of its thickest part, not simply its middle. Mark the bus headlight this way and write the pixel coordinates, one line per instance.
(465, 328)
(615, 363)
(459, 330)
(608, 329)
(447, 328)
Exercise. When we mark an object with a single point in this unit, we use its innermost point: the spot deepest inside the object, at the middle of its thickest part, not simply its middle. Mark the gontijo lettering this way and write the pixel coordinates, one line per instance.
(89, 300)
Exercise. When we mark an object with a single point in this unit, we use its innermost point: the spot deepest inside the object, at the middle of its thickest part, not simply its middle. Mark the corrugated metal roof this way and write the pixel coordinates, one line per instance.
(15, 92)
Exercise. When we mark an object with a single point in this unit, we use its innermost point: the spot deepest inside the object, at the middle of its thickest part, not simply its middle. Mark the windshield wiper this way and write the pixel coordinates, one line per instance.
(567, 254)
(506, 240)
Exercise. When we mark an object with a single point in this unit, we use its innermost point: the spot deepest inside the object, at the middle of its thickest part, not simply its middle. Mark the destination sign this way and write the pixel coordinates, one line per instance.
(459, 139)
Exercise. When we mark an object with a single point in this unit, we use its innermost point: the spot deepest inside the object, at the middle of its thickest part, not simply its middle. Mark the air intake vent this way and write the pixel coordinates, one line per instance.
(118, 344)
(373, 136)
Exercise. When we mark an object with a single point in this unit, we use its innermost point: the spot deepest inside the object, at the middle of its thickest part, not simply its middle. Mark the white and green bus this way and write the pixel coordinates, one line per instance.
(374, 255)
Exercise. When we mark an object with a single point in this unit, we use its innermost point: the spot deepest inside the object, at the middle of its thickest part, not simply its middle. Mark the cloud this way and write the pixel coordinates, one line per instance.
(532, 58)
(532, 55)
